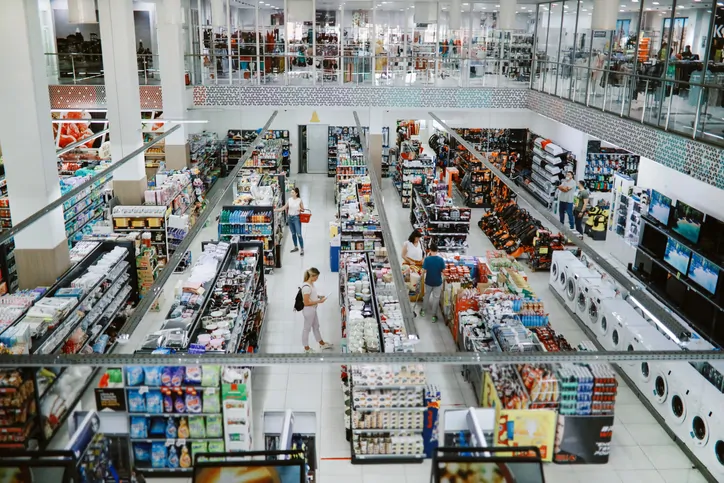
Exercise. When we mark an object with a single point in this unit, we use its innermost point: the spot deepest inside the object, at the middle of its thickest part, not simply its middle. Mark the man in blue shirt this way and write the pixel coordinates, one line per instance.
(432, 268)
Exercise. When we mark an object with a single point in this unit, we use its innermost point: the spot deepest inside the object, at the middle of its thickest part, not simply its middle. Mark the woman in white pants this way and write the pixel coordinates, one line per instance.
(311, 300)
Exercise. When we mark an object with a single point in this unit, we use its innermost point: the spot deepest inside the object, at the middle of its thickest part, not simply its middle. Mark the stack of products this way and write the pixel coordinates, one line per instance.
(174, 413)
(603, 163)
(18, 422)
(84, 209)
(352, 142)
(359, 317)
(587, 389)
(435, 216)
(413, 172)
(150, 220)
(350, 162)
(359, 221)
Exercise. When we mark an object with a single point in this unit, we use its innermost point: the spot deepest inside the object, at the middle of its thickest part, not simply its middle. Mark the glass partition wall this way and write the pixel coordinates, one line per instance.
(661, 65)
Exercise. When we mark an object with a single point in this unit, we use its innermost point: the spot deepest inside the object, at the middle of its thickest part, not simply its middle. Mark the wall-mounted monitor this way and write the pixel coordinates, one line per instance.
(677, 255)
(660, 207)
(687, 221)
(704, 273)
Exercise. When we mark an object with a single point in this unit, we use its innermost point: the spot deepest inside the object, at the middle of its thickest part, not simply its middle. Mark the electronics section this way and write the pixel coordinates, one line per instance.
(679, 258)
(603, 163)
(434, 215)
(360, 229)
(349, 138)
(628, 202)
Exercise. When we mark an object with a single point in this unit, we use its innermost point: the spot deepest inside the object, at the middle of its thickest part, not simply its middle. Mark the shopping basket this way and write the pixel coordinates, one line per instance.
(305, 215)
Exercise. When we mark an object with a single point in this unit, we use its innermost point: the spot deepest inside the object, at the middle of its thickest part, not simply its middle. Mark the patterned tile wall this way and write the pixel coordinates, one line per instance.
(87, 97)
(698, 160)
(407, 97)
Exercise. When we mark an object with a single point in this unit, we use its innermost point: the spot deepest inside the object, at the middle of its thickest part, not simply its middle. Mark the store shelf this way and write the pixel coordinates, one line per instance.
(416, 408)
(171, 415)
(385, 431)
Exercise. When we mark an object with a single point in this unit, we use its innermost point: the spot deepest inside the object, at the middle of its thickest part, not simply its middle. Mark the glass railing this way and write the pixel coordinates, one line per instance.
(280, 69)
(693, 108)
(88, 68)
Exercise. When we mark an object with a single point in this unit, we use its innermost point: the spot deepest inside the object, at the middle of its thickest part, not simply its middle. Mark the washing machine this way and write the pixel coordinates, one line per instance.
(575, 282)
(675, 391)
(702, 422)
(591, 290)
(557, 277)
(714, 458)
(644, 338)
(615, 320)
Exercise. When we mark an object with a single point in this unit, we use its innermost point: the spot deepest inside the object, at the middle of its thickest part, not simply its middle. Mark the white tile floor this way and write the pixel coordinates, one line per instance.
(641, 451)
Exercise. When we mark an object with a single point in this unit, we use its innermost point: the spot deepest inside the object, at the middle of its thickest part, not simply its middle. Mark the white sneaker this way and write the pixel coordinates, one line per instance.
(326, 346)
(309, 351)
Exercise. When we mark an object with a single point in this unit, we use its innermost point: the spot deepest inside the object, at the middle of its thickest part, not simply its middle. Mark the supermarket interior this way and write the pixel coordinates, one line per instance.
(313, 241)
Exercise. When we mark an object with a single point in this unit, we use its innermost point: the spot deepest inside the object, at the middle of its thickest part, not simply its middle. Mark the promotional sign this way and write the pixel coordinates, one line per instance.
(110, 399)
(583, 439)
(528, 427)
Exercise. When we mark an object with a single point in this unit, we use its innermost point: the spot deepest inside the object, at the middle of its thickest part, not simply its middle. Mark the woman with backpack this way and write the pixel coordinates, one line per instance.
(311, 321)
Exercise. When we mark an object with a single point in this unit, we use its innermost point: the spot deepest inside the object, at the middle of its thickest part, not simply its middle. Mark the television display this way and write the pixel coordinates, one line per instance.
(677, 255)
(266, 472)
(660, 207)
(703, 272)
(687, 221)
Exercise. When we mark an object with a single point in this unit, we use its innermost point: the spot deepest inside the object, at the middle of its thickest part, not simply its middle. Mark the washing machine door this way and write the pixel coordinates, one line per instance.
(555, 271)
(563, 278)
(661, 388)
(571, 288)
(581, 302)
(719, 455)
(616, 337)
(699, 430)
(594, 310)
(645, 372)
(677, 405)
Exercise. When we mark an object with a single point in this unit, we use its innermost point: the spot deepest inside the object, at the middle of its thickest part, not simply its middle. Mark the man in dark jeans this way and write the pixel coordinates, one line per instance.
(581, 205)
(565, 199)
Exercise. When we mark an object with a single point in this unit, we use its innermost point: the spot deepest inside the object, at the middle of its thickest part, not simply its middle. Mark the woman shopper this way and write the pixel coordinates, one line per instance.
(311, 320)
(412, 253)
(294, 207)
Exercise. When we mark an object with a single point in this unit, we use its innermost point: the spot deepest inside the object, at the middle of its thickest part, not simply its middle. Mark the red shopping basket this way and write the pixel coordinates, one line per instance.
(305, 216)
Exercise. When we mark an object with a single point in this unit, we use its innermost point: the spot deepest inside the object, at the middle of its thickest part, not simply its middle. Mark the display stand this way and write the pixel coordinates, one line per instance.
(350, 162)
(252, 222)
(472, 427)
(293, 431)
(413, 173)
(236, 400)
(602, 164)
(448, 226)
(549, 163)
(337, 135)
(84, 209)
(388, 160)
(627, 205)
(359, 223)
(150, 219)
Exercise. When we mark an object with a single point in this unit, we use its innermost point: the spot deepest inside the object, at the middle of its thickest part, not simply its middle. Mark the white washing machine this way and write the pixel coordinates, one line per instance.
(591, 291)
(597, 295)
(557, 277)
(683, 397)
(701, 422)
(615, 321)
(575, 281)
(644, 338)
(714, 458)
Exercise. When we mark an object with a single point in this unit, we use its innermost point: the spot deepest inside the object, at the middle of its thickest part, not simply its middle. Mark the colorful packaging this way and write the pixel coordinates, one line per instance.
(216, 446)
(158, 454)
(142, 452)
(158, 427)
(183, 429)
(185, 460)
(210, 376)
(152, 376)
(193, 375)
(197, 428)
(167, 403)
(134, 375)
(213, 427)
(179, 403)
(172, 457)
(154, 402)
(177, 377)
(212, 402)
(193, 402)
(139, 427)
(171, 431)
(198, 447)
(136, 402)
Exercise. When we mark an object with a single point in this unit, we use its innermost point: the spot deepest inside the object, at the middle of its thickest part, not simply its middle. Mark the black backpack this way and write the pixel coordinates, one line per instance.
(299, 301)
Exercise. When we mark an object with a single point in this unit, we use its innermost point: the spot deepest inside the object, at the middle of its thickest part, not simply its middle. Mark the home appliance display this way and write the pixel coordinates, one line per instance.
(677, 255)
(703, 272)
(560, 257)
(616, 320)
(660, 207)
(575, 281)
(687, 221)
(597, 295)
(714, 458)
(567, 269)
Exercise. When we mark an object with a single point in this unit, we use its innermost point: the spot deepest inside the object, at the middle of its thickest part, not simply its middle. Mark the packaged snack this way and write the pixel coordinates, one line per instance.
(198, 447)
(193, 402)
(193, 375)
(210, 376)
(197, 428)
(158, 454)
(167, 402)
(177, 377)
(158, 427)
(154, 402)
(213, 426)
(139, 427)
(183, 429)
(136, 402)
(142, 452)
(171, 431)
(212, 402)
(185, 460)
(172, 457)
(152, 376)
(179, 403)
(134, 375)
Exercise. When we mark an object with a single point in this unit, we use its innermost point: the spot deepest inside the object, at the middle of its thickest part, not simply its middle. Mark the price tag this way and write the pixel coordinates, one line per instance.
(143, 390)
(180, 442)
(170, 442)
(210, 390)
(543, 250)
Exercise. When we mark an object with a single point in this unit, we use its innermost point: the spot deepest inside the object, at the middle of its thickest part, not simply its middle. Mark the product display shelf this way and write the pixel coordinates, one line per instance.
(412, 173)
(387, 421)
(19, 406)
(360, 229)
(236, 400)
(448, 226)
(251, 222)
(83, 208)
(173, 414)
(349, 137)
(361, 327)
(350, 162)
(183, 319)
(546, 173)
(388, 159)
(9, 282)
(152, 220)
(266, 156)
(702, 309)
(603, 163)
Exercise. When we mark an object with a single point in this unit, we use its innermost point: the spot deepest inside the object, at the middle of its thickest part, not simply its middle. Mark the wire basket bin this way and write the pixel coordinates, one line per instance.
(305, 216)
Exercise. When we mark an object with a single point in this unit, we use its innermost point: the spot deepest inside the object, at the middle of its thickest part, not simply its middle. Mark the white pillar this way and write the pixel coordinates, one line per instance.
(26, 135)
(507, 14)
(605, 13)
(173, 84)
(118, 40)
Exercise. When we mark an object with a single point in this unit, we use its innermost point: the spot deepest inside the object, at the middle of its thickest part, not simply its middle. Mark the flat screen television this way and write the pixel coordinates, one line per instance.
(687, 221)
(677, 255)
(660, 207)
(703, 272)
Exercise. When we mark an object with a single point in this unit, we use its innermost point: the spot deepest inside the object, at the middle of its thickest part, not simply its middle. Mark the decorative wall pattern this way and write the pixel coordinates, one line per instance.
(338, 96)
(87, 97)
(698, 160)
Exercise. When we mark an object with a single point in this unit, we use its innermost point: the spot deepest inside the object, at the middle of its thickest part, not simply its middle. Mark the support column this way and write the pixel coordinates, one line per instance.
(26, 135)
(171, 63)
(118, 41)
(375, 139)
